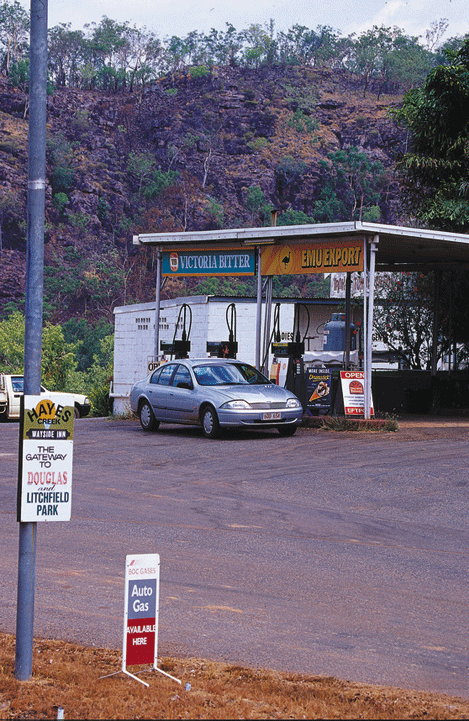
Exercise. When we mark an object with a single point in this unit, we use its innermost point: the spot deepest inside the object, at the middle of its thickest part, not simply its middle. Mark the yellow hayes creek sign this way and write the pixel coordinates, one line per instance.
(331, 257)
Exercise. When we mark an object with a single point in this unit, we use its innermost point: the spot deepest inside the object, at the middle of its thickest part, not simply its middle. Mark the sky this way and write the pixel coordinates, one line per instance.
(179, 17)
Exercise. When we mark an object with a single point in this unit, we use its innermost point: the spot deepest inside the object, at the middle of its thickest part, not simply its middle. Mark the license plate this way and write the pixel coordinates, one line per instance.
(271, 416)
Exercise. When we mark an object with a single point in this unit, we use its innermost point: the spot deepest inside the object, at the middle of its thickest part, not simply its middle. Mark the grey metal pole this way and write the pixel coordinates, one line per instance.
(369, 340)
(157, 305)
(33, 315)
(267, 318)
(348, 319)
(436, 321)
(259, 310)
(365, 302)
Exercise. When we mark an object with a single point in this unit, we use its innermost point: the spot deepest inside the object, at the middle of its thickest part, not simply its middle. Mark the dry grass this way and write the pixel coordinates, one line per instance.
(68, 676)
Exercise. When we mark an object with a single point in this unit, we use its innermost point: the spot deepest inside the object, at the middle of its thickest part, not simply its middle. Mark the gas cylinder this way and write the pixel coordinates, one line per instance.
(334, 334)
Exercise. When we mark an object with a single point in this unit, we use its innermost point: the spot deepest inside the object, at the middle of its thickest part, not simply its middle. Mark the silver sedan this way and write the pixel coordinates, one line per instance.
(214, 393)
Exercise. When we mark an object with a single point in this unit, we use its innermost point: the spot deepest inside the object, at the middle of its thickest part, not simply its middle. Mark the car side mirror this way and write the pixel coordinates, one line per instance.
(184, 384)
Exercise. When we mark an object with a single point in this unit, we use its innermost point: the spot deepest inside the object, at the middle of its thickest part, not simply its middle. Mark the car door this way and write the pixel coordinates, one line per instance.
(183, 408)
(158, 390)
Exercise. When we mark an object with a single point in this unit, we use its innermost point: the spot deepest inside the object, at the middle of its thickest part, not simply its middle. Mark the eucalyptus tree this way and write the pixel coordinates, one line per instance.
(260, 46)
(14, 33)
(66, 54)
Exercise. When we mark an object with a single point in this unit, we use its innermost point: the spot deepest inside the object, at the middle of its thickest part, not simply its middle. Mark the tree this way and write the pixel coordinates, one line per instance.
(261, 46)
(58, 356)
(435, 171)
(66, 50)
(11, 210)
(14, 29)
(403, 317)
(351, 187)
(407, 64)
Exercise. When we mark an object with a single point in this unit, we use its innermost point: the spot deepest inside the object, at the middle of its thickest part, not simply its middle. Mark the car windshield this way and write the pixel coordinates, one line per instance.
(229, 374)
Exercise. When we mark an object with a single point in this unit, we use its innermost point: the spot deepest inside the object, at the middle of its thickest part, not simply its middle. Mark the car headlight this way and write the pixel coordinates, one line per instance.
(236, 405)
(293, 403)
(87, 401)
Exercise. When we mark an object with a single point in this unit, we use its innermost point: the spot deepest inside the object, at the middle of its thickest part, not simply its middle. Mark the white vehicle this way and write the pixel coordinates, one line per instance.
(11, 391)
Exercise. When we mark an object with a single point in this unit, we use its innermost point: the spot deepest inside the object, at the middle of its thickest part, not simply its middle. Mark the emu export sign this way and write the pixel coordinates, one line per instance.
(45, 483)
(331, 257)
(142, 582)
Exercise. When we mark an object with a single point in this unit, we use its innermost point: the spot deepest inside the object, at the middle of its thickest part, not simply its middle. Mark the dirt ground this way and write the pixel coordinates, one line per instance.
(67, 683)
(415, 428)
(69, 676)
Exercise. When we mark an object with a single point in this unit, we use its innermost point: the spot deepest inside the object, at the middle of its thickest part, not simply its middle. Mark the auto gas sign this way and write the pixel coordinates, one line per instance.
(45, 482)
(141, 609)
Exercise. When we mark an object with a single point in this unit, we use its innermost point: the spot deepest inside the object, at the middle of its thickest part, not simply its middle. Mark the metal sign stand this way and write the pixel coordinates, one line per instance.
(141, 604)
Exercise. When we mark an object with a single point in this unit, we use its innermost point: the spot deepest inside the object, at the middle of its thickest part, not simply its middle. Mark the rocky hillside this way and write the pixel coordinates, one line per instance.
(198, 151)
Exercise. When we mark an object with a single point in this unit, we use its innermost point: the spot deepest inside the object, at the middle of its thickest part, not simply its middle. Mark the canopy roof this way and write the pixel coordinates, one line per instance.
(398, 248)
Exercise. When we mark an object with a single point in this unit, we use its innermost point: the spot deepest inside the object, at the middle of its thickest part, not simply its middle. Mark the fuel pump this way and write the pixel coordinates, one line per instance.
(294, 350)
(226, 348)
(180, 348)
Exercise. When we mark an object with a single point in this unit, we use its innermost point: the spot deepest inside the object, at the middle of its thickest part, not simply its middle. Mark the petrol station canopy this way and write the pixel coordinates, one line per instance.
(397, 248)
(318, 248)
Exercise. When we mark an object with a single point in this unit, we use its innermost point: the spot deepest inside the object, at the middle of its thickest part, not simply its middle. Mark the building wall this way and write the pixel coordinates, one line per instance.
(135, 329)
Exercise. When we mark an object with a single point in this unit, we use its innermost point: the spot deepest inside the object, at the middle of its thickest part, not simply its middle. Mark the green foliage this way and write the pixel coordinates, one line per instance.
(229, 286)
(294, 217)
(344, 423)
(257, 144)
(12, 343)
(86, 337)
(93, 283)
(115, 57)
(19, 74)
(435, 170)
(61, 156)
(62, 349)
(288, 173)
(58, 358)
(258, 207)
(96, 381)
(60, 202)
(14, 27)
(80, 123)
(198, 72)
(302, 122)
(351, 187)
(216, 212)
(159, 182)
(57, 355)
(403, 317)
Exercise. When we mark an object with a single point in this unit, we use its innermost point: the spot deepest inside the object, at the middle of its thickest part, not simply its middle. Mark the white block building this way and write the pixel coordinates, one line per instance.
(134, 333)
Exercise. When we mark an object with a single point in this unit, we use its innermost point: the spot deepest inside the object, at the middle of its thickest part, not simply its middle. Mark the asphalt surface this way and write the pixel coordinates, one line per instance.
(342, 554)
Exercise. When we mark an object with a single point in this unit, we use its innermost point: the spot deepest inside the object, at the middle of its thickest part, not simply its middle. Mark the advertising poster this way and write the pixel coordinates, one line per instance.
(318, 389)
(333, 257)
(279, 370)
(209, 262)
(141, 609)
(353, 391)
(45, 483)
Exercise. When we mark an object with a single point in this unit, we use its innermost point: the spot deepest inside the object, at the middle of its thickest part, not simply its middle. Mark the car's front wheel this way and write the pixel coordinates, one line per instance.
(210, 423)
(287, 431)
(147, 418)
